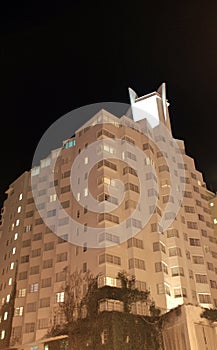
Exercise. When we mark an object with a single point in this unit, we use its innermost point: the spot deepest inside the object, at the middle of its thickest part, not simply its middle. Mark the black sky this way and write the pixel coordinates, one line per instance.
(60, 55)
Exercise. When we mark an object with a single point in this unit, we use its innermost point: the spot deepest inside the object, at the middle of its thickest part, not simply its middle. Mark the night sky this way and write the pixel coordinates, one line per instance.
(61, 55)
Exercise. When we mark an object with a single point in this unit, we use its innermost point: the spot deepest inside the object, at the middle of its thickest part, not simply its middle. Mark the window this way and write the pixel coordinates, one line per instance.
(106, 197)
(104, 132)
(24, 259)
(84, 267)
(127, 154)
(65, 204)
(187, 194)
(177, 271)
(53, 198)
(163, 288)
(189, 209)
(47, 264)
(8, 297)
(46, 282)
(18, 311)
(172, 232)
(63, 221)
(5, 315)
(27, 243)
(33, 287)
(108, 217)
(31, 307)
(2, 334)
(12, 265)
(28, 228)
(37, 236)
(180, 292)
(61, 257)
(49, 246)
(44, 302)
(69, 144)
(204, 298)
(213, 284)
(51, 213)
(194, 242)
(10, 280)
(108, 164)
(159, 246)
(85, 247)
(43, 323)
(34, 270)
(197, 259)
(21, 293)
(13, 250)
(129, 170)
(29, 214)
(29, 327)
(201, 278)
(163, 167)
(135, 242)
(104, 236)
(22, 275)
(36, 252)
(19, 209)
(60, 276)
(85, 192)
(131, 187)
(15, 236)
(116, 260)
(135, 263)
(60, 297)
(161, 266)
(210, 266)
(65, 189)
(175, 251)
(192, 225)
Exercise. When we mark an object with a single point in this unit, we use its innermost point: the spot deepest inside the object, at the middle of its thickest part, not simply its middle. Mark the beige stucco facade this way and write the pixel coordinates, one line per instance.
(178, 264)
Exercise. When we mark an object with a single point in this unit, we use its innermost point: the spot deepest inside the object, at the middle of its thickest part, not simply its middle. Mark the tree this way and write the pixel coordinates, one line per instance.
(210, 314)
(73, 303)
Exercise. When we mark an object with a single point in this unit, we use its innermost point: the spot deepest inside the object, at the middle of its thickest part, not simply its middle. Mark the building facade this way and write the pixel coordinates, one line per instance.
(46, 227)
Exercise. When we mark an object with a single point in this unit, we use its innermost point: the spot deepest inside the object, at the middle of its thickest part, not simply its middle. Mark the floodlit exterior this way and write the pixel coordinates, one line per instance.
(177, 264)
(213, 208)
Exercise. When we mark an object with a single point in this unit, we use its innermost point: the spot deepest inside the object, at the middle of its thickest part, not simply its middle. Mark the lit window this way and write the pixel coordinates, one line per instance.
(21, 293)
(14, 250)
(12, 227)
(211, 204)
(17, 222)
(86, 160)
(12, 265)
(86, 192)
(20, 196)
(60, 297)
(19, 209)
(33, 288)
(5, 315)
(2, 334)
(15, 236)
(215, 221)
(18, 311)
(8, 298)
(53, 197)
(10, 281)
(78, 196)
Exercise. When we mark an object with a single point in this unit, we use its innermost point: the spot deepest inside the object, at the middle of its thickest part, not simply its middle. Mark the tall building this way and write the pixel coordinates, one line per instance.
(152, 219)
